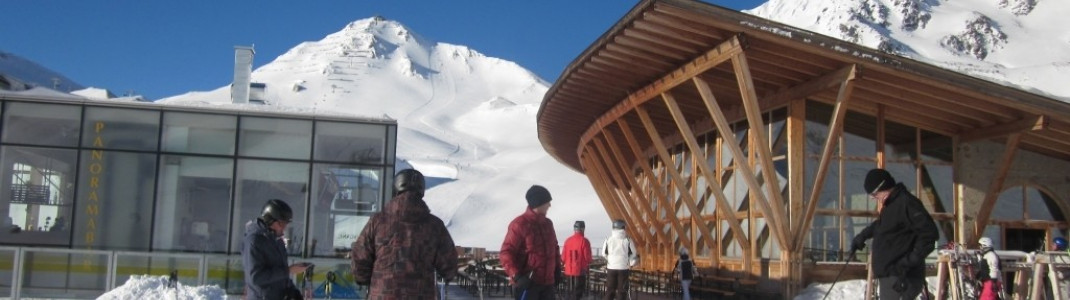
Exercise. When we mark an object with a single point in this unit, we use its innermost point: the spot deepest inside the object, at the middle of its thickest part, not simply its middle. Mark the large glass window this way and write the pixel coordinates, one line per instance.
(348, 142)
(199, 133)
(115, 192)
(193, 204)
(343, 200)
(275, 138)
(42, 124)
(261, 180)
(123, 129)
(38, 195)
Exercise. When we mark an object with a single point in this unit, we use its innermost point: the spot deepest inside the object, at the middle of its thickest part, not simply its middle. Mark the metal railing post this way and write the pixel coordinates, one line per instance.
(16, 277)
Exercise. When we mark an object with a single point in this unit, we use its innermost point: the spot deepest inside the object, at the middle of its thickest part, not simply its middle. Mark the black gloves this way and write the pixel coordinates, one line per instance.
(522, 281)
(559, 276)
(857, 244)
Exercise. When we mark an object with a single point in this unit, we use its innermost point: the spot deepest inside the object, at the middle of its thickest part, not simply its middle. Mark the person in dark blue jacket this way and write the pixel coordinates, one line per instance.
(264, 258)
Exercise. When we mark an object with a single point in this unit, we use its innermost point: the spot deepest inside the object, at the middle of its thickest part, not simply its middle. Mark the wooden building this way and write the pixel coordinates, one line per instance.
(746, 142)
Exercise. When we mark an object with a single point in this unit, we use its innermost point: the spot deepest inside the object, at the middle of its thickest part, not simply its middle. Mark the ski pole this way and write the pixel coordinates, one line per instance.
(849, 259)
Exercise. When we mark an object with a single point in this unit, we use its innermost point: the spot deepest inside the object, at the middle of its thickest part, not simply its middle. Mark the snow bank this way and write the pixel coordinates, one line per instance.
(155, 287)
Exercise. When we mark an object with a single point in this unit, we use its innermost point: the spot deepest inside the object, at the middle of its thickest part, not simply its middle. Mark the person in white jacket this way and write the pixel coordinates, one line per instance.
(620, 257)
(988, 272)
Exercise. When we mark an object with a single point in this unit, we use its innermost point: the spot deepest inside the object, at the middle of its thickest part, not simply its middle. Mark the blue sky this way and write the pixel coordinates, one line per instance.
(165, 48)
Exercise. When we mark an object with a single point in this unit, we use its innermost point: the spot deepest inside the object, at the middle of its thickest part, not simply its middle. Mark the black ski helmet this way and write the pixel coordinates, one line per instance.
(409, 180)
(276, 210)
(618, 224)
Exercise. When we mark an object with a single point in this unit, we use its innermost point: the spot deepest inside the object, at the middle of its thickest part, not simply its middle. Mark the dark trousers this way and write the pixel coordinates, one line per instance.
(534, 292)
(909, 291)
(616, 284)
(577, 286)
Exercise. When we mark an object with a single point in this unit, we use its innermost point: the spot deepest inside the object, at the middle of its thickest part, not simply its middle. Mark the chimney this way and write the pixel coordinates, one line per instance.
(243, 69)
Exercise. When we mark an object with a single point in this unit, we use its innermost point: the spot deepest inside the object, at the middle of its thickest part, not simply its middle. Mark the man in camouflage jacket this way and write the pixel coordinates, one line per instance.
(401, 248)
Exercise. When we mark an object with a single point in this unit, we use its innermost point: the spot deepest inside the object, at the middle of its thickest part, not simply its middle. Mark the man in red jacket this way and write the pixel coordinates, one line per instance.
(529, 252)
(577, 257)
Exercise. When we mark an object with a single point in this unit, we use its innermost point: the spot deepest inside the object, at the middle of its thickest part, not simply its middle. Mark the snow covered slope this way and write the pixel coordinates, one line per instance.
(464, 118)
(1020, 43)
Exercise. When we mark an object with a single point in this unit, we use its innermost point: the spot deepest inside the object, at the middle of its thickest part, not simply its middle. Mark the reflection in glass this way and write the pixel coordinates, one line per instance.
(348, 142)
(343, 200)
(114, 208)
(193, 206)
(117, 128)
(261, 180)
(40, 184)
(199, 133)
(275, 138)
(42, 124)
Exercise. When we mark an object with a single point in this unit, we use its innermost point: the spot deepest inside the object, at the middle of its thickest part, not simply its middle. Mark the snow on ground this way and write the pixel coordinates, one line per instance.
(155, 287)
(847, 289)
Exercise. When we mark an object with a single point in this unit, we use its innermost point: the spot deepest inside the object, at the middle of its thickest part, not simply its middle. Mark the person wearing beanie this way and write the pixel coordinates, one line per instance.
(903, 233)
(529, 252)
(577, 258)
(687, 272)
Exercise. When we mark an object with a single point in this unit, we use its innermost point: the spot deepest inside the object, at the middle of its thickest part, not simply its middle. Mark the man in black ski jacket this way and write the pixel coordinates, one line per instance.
(903, 235)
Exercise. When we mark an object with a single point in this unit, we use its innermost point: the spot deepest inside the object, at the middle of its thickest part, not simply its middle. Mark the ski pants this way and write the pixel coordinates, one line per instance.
(534, 292)
(616, 284)
(912, 289)
(990, 290)
(577, 286)
(686, 285)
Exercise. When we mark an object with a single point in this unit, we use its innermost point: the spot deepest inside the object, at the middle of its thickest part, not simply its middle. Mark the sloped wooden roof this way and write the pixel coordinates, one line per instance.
(659, 37)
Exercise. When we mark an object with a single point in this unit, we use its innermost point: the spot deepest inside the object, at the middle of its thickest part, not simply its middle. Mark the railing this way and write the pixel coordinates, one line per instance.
(86, 274)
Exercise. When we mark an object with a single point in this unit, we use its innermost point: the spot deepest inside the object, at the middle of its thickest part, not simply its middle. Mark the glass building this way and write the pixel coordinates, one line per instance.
(152, 178)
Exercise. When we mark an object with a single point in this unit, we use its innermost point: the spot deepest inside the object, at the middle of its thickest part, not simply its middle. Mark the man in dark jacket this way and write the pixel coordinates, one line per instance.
(529, 253)
(263, 254)
(903, 235)
(402, 247)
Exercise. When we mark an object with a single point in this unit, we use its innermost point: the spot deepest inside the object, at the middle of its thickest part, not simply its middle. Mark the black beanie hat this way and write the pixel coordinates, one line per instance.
(537, 196)
(878, 180)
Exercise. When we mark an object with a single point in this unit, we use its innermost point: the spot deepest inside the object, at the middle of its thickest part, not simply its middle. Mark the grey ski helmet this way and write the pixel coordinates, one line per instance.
(618, 224)
(276, 210)
(409, 180)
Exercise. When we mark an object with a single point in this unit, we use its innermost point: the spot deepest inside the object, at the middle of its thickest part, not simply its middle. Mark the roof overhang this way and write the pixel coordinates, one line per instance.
(659, 41)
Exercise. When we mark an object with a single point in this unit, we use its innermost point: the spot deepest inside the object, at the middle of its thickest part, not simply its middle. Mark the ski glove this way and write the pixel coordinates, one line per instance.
(857, 244)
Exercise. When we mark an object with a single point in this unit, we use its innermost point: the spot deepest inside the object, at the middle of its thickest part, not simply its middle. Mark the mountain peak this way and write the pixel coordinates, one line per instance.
(1011, 42)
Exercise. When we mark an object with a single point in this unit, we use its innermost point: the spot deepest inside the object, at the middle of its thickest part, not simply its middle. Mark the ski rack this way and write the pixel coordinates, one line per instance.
(1036, 275)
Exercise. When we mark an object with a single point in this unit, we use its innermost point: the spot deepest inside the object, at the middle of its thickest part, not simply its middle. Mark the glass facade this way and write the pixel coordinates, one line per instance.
(144, 177)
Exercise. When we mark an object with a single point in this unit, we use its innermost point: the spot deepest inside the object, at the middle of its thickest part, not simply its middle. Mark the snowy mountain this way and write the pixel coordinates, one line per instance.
(465, 119)
(30, 73)
(1020, 43)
